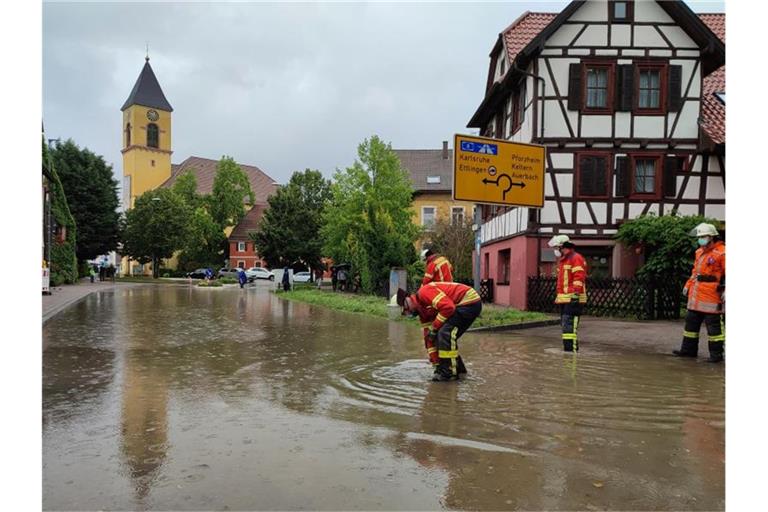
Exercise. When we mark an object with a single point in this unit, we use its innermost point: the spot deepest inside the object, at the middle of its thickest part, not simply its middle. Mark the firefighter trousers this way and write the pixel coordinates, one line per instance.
(715, 323)
(450, 362)
(569, 321)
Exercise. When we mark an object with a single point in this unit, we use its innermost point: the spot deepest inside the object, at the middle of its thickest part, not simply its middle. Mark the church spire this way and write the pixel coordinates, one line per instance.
(146, 91)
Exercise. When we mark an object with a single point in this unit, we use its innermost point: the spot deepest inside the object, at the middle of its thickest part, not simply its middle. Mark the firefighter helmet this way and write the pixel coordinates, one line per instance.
(425, 253)
(704, 229)
(558, 240)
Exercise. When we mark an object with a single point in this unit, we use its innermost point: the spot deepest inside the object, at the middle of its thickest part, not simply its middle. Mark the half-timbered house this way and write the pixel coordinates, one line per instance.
(629, 98)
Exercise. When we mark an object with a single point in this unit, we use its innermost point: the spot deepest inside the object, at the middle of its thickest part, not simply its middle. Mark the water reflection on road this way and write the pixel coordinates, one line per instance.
(187, 399)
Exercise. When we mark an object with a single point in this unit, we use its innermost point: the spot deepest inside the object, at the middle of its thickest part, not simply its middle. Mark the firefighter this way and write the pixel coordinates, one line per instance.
(705, 290)
(454, 306)
(438, 268)
(571, 288)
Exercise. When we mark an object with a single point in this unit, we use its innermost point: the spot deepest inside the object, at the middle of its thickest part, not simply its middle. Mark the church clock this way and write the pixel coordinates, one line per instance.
(152, 115)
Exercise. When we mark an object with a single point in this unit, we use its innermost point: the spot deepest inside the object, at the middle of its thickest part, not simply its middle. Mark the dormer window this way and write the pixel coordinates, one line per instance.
(433, 180)
(620, 12)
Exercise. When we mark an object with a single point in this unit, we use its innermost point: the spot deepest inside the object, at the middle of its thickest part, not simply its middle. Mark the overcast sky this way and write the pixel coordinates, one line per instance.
(281, 86)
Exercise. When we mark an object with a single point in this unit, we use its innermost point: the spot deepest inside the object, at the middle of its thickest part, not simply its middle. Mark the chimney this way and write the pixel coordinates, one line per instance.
(445, 150)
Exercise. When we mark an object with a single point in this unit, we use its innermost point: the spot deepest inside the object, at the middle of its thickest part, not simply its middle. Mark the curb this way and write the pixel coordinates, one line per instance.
(515, 327)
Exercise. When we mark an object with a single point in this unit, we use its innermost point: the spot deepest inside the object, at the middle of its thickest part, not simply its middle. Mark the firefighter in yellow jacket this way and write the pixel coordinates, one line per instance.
(571, 288)
(705, 290)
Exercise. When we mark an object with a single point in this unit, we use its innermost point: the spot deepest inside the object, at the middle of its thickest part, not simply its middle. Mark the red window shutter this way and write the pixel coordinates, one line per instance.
(675, 92)
(574, 87)
(623, 181)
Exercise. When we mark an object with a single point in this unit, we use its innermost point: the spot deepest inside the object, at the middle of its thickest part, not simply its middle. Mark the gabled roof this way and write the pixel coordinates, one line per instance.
(249, 224)
(147, 92)
(421, 163)
(712, 109)
(204, 170)
(523, 30)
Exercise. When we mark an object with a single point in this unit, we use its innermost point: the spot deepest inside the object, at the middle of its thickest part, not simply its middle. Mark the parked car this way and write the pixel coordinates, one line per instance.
(301, 277)
(198, 273)
(228, 272)
(259, 273)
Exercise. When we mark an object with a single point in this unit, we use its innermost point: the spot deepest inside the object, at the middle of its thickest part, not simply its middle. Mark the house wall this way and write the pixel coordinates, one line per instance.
(522, 264)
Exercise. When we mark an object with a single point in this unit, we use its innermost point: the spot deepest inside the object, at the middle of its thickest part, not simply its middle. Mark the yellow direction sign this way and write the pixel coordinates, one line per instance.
(498, 172)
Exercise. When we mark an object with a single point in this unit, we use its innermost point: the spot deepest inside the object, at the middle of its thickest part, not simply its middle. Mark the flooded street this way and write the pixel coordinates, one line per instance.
(226, 399)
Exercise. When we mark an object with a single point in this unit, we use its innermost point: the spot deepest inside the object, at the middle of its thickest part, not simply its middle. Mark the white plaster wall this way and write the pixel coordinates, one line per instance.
(549, 213)
(622, 124)
(660, 53)
(578, 51)
(650, 11)
(567, 209)
(591, 11)
(679, 187)
(545, 230)
(562, 160)
(688, 209)
(594, 35)
(582, 214)
(668, 208)
(715, 188)
(635, 209)
(620, 35)
(715, 210)
(601, 212)
(595, 126)
(714, 166)
(678, 37)
(588, 231)
(559, 76)
(696, 167)
(692, 189)
(647, 36)
(555, 125)
(688, 66)
(551, 51)
(649, 127)
(687, 126)
(618, 212)
(565, 184)
(564, 35)
(608, 51)
(549, 190)
(688, 53)
(633, 52)
(610, 231)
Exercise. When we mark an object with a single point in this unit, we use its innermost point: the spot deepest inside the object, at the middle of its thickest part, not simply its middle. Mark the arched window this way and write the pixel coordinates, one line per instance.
(153, 135)
(127, 134)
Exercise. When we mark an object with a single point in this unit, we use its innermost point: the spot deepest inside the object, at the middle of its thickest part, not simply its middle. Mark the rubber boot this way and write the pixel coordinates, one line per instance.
(567, 345)
(460, 368)
(689, 348)
(715, 352)
(443, 372)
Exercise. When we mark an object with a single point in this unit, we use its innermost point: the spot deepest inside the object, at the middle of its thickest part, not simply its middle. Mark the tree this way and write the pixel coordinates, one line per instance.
(155, 227)
(185, 187)
(91, 193)
(665, 242)
(289, 232)
(368, 222)
(202, 247)
(231, 189)
(455, 241)
(63, 262)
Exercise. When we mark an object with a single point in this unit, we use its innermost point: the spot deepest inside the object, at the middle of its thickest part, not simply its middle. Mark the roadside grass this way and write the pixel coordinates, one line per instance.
(491, 316)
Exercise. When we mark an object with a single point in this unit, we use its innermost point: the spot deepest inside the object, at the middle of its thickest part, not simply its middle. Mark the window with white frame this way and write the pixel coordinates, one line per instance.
(457, 215)
(240, 264)
(240, 246)
(428, 214)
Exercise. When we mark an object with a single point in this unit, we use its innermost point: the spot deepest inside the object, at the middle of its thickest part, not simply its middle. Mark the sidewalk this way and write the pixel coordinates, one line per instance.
(68, 294)
(651, 336)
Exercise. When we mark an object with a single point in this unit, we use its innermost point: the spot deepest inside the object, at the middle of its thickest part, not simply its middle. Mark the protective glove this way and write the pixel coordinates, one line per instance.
(575, 298)
(432, 337)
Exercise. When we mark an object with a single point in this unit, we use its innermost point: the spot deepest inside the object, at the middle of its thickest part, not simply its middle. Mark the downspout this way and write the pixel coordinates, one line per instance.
(543, 103)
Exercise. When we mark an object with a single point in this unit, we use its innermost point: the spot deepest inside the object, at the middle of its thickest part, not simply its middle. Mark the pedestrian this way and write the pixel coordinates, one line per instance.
(454, 306)
(242, 278)
(92, 273)
(102, 272)
(705, 290)
(334, 277)
(208, 274)
(438, 268)
(341, 277)
(319, 278)
(571, 289)
(286, 280)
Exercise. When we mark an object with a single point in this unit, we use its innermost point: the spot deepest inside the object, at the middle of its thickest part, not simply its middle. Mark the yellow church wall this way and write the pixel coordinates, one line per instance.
(147, 167)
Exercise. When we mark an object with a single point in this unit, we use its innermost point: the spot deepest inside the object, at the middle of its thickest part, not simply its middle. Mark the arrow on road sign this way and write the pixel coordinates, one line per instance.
(521, 184)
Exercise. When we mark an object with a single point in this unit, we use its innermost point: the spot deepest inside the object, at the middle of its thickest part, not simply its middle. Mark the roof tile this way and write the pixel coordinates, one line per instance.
(421, 163)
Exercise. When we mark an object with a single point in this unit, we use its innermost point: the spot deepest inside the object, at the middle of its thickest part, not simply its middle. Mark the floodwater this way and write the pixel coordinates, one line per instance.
(226, 399)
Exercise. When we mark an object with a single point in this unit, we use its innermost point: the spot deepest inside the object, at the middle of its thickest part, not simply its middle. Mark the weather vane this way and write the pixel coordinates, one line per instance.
(147, 57)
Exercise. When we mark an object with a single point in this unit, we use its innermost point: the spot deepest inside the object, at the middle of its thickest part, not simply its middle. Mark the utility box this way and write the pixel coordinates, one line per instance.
(398, 278)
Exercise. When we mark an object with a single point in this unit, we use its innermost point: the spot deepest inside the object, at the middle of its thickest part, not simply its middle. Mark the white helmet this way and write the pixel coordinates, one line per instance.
(558, 240)
(424, 254)
(704, 229)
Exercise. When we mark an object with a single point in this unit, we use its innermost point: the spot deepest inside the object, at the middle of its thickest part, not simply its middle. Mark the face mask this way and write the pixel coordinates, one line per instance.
(703, 241)
(558, 253)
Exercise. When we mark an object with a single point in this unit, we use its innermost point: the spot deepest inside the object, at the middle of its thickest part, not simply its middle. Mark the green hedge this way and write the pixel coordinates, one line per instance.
(63, 262)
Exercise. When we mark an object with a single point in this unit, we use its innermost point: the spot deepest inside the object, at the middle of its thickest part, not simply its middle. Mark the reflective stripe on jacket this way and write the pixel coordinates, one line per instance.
(706, 284)
(438, 270)
(444, 298)
(571, 278)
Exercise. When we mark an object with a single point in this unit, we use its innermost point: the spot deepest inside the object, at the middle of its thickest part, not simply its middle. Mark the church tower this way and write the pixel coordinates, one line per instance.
(146, 137)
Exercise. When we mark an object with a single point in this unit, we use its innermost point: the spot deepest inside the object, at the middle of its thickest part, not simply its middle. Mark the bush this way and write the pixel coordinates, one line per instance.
(211, 284)
(227, 280)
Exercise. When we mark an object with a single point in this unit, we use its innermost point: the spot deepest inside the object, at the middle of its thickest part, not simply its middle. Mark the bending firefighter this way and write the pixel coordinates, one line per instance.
(438, 269)
(571, 289)
(705, 290)
(454, 306)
